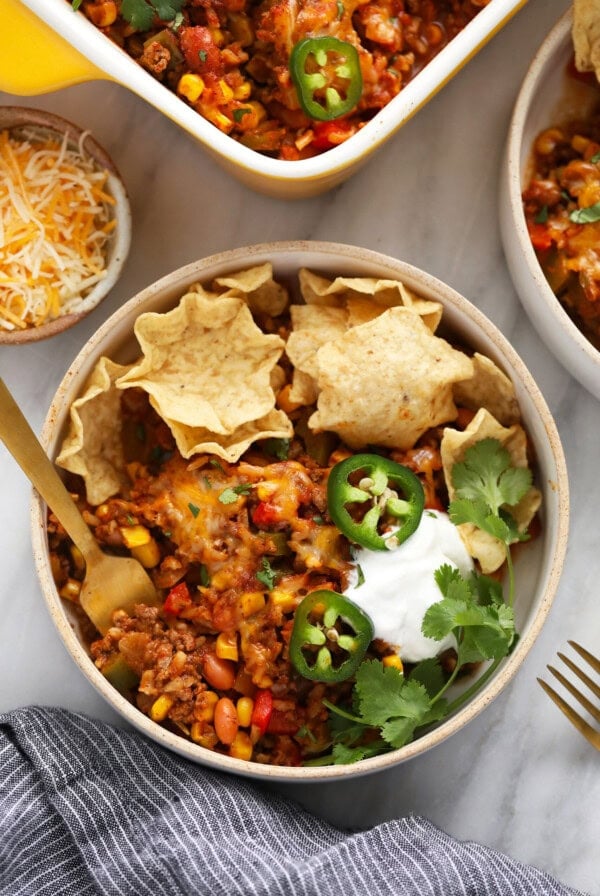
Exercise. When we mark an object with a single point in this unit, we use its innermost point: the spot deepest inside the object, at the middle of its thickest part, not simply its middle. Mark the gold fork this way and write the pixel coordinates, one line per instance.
(591, 734)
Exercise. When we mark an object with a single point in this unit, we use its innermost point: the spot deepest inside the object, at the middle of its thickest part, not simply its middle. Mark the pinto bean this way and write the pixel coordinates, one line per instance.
(220, 674)
(226, 720)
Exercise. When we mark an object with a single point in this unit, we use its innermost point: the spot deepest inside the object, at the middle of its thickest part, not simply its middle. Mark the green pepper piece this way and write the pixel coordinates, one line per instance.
(316, 637)
(326, 74)
(393, 490)
(121, 676)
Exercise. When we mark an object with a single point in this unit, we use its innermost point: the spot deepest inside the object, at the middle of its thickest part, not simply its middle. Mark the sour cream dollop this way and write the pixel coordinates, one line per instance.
(399, 585)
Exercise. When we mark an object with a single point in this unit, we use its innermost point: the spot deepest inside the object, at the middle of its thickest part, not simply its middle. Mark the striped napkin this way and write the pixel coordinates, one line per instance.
(86, 808)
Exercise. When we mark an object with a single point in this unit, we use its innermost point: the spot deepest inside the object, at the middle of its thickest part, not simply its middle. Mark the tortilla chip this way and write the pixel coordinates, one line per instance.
(387, 381)
(586, 35)
(196, 440)
(366, 297)
(491, 389)
(312, 327)
(93, 448)
(193, 351)
(258, 288)
(489, 551)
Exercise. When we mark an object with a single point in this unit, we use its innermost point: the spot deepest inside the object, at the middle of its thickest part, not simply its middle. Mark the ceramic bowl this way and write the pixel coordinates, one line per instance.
(537, 568)
(548, 96)
(16, 118)
(47, 46)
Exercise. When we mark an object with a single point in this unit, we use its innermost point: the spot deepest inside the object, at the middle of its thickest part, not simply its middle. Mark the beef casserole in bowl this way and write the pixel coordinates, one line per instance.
(303, 477)
(549, 216)
(291, 98)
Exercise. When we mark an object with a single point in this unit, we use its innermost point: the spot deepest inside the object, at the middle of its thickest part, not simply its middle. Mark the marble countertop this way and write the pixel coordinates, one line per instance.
(518, 778)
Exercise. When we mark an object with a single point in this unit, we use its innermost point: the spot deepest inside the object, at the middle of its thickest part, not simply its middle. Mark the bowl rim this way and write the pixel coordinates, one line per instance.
(13, 117)
(229, 260)
(553, 44)
(117, 65)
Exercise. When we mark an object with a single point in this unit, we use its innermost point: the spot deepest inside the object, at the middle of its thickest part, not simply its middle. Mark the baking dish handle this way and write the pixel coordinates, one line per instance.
(34, 59)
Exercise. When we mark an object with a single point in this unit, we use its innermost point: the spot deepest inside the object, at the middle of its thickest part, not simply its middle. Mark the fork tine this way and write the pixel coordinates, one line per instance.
(594, 688)
(583, 701)
(582, 726)
(588, 657)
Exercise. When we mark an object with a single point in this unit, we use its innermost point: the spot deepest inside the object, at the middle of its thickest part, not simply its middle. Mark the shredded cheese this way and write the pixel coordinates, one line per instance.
(56, 221)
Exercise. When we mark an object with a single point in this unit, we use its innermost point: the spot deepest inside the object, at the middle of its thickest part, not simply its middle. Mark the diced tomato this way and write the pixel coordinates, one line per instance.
(177, 600)
(262, 711)
(331, 133)
(540, 236)
(264, 514)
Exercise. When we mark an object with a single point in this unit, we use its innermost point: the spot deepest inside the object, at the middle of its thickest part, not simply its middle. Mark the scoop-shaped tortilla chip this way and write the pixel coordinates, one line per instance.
(489, 388)
(586, 35)
(484, 547)
(366, 297)
(92, 447)
(196, 440)
(206, 364)
(258, 288)
(312, 327)
(387, 381)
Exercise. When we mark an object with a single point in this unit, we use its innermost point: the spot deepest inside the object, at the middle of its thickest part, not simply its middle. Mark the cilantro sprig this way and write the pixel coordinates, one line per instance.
(487, 486)
(142, 13)
(388, 708)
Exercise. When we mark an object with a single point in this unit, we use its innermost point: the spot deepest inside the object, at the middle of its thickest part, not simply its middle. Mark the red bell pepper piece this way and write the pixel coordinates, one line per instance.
(265, 514)
(540, 236)
(262, 711)
(178, 599)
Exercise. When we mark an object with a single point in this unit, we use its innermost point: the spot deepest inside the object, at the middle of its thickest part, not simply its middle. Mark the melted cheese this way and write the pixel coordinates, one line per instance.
(55, 225)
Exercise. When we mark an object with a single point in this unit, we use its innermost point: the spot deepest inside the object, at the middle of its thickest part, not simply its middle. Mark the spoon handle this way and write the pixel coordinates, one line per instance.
(24, 446)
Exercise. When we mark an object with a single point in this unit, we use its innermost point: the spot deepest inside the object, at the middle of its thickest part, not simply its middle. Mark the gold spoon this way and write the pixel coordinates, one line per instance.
(110, 583)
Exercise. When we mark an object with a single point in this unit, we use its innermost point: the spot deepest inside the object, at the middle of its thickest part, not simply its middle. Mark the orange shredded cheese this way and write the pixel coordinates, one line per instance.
(56, 221)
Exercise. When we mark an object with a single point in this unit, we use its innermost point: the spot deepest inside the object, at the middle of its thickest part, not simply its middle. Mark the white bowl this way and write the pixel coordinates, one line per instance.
(47, 46)
(14, 118)
(538, 567)
(548, 96)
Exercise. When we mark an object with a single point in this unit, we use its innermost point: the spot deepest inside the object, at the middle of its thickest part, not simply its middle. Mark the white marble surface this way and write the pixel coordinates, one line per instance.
(519, 778)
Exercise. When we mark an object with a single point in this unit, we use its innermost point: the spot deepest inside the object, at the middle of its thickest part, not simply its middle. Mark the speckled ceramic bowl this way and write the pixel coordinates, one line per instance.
(538, 566)
(14, 119)
(47, 46)
(548, 96)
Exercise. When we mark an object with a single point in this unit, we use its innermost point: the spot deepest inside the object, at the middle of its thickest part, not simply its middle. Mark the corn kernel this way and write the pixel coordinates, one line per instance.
(244, 708)
(251, 602)
(579, 143)
(217, 36)
(241, 748)
(222, 579)
(160, 708)
(393, 661)
(225, 91)
(77, 558)
(147, 554)
(221, 121)
(207, 712)
(226, 646)
(285, 601)
(284, 402)
(243, 91)
(102, 14)
(134, 536)
(203, 738)
(71, 590)
(191, 87)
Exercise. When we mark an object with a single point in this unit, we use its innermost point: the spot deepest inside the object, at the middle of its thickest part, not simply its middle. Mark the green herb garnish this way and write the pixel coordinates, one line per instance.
(588, 215)
(230, 495)
(141, 13)
(279, 448)
(542, 215)
(266, 575)
(193, 510)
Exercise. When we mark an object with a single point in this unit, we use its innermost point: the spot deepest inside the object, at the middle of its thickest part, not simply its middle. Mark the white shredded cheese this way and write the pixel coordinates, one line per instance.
(56, 222)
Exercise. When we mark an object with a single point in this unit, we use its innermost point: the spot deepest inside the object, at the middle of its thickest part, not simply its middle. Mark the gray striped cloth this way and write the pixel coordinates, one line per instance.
(86, 808)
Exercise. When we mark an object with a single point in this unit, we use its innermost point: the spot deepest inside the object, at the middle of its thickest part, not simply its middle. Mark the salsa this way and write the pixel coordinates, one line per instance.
(562, 210)
(289, 78)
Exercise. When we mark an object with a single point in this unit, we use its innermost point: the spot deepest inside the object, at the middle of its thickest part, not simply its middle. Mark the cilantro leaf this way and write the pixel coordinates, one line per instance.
(230, 495)
(266, 575)
(430, 674)
(279, 448)
(486, 475)
(141, 13)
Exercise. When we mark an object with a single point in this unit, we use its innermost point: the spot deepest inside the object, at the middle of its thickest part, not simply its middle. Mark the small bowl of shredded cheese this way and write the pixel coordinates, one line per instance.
(65, 224)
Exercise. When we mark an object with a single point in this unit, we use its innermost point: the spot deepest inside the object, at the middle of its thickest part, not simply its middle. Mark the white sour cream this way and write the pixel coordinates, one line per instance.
(399, 585)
